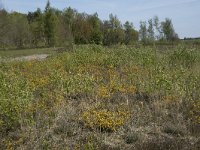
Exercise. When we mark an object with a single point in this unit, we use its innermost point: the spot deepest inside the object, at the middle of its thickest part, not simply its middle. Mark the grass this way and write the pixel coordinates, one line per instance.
(102, 98)
(25, 52)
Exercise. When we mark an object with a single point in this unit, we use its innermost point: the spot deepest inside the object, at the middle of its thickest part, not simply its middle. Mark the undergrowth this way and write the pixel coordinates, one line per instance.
(101, 98)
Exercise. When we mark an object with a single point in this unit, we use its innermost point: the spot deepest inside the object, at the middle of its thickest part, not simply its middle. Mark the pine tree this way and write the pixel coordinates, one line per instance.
(50, 25)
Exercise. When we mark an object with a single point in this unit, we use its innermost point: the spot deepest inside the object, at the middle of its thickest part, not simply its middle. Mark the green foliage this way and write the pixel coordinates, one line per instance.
(50, 25)
(61, 28)
(150, 30)
(4, 21)
(131, 35)
(157, 31)
(96, 35)
(143, 32)
(15, 98)
(113, 32)
(182, 57)
(19, 33)
(168, 30)
(36, 23)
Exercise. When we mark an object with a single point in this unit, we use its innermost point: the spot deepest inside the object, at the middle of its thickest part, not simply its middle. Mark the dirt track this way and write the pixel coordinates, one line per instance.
(27, 58)
(32, 57)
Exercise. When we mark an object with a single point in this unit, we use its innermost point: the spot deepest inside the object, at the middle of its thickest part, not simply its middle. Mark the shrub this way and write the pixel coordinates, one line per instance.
(183, 57)
(105, 119)
(15, 99)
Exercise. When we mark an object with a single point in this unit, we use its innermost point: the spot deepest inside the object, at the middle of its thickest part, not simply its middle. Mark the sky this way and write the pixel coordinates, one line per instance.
(185, 14)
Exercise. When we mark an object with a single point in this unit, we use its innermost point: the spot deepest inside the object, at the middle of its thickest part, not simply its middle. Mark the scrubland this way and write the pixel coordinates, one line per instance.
(97, 97)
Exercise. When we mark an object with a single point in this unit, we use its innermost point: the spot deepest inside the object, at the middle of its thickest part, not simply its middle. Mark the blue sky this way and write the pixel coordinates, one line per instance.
(185, 14)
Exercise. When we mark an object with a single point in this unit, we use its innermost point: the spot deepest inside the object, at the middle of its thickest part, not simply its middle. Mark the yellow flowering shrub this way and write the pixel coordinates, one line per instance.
(104, 92)
(105, 119)
(37, 82)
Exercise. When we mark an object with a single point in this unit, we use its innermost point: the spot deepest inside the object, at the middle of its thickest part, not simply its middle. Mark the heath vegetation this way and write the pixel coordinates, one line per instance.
(100, 84)
(102, 98)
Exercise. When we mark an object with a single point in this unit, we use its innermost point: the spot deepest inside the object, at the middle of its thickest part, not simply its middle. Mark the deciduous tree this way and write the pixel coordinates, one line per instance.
(168, 30)
(131, 35)
(143, 32)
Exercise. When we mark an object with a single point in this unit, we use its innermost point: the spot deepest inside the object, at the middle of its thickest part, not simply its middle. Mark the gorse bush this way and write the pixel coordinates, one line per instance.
(105, 120)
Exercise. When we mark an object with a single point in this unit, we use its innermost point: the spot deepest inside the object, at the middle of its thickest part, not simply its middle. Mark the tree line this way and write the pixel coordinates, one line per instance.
(154, 30)
(53, 27)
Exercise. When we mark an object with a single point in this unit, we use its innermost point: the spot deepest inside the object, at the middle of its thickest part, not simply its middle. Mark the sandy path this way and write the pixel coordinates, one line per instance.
(32, 57)
(25, 58)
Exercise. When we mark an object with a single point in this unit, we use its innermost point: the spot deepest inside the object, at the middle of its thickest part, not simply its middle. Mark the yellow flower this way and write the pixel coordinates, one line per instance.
(105, 119)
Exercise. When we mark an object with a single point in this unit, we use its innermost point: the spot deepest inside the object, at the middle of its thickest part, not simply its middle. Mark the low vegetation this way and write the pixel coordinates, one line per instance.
(102, 98)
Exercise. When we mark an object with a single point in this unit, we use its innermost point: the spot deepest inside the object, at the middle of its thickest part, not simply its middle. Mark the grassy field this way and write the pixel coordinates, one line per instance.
(102, 98)
(25, 52)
